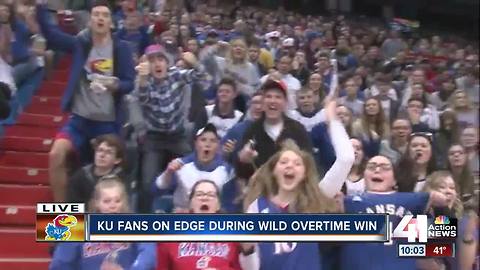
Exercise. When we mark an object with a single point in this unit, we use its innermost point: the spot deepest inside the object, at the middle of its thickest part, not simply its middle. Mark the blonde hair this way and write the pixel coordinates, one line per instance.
(229, 57)
(106, 182)
(452, 100)
(309, 199)
(434, 181)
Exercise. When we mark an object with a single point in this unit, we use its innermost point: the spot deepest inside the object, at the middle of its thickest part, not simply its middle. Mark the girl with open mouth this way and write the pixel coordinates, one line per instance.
(418, 162)
(204, 199)
(467, 241)
(381, 197)
(288, 183)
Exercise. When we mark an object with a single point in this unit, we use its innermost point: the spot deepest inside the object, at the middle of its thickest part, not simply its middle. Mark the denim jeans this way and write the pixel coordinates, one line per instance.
(158, 150)
(24, 70)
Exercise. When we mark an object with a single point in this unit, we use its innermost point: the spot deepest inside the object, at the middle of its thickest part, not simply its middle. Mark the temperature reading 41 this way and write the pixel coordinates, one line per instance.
(440, 250)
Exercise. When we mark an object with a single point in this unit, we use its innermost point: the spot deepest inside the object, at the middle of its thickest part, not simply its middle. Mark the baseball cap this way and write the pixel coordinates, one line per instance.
(271, 84)
(273, 34)
(212, 33)
(207, 128)
(155, 49)
(288, 42)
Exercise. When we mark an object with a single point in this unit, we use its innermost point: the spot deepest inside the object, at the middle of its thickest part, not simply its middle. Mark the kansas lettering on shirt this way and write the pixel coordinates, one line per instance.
(284, 255)
(203, 249)
(380, 256)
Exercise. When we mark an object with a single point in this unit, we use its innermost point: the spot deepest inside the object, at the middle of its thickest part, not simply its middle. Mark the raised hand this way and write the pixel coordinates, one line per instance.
(229, 146)
(248, 153)
(143, 68)
(330, 108)
(174, 165)
(190, 59)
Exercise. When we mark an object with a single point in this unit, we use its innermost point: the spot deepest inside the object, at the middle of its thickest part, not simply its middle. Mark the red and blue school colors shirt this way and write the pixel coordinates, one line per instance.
(201, 255)
(285, 255)
(381, 256)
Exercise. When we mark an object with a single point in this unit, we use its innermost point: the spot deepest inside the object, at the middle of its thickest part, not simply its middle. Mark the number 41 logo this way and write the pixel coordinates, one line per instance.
(412, 228)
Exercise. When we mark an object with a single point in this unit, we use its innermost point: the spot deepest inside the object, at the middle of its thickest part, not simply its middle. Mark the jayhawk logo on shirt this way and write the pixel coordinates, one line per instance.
(101, 66)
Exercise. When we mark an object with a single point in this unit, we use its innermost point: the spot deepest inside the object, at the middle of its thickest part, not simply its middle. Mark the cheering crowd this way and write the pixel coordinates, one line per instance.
(189, 107)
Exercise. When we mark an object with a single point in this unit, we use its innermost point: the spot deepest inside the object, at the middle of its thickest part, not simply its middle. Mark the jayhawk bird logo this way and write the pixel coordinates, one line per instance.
(60, 228)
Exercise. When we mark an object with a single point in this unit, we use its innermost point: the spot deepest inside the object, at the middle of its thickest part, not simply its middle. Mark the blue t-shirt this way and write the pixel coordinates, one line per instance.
(86, 256)
(381, 256)
(286, 256)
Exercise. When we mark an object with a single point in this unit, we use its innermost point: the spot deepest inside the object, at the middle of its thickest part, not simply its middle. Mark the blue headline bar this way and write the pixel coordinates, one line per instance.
(368, 227)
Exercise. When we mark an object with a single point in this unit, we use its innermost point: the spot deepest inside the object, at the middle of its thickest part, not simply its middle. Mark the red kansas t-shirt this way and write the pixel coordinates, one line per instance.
(193, 256)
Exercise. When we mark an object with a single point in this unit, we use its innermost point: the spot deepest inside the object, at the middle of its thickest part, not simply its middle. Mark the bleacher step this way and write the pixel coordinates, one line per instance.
(30, 131)
(24, 159)
(17, 215)
(25, 244)
(52, 89)
(23, 176)
(43, 120)
(26, 144)
(24, 194)
(24, 264)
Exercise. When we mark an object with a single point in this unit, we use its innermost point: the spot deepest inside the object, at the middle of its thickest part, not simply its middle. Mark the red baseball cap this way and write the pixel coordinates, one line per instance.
(271, 84)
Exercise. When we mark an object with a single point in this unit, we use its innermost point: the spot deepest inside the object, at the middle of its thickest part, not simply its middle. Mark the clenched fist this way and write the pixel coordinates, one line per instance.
(190, 59)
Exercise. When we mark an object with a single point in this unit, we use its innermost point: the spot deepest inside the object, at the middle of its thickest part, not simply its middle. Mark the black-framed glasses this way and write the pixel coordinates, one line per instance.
(200, 194)
(372, 166)
(426, 135)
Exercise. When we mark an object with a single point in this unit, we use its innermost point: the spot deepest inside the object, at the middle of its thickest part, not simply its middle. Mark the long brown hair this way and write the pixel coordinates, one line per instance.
(464, 180)
(310, 199)
(380, 123)
(406, 176)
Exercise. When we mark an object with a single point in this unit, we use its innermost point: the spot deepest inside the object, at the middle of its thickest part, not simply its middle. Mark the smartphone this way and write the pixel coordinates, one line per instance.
(252, 143)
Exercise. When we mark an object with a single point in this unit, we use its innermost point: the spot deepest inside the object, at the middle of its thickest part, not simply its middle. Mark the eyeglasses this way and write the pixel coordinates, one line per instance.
(385, 167)
(426, 135)
(205, 194)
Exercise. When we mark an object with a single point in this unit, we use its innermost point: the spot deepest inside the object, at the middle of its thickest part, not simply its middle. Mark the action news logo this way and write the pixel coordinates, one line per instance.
(422, 228)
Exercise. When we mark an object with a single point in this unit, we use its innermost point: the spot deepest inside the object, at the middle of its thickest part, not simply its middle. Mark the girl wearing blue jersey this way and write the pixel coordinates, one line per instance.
(109, 197)
(288, 183)
(382, 198)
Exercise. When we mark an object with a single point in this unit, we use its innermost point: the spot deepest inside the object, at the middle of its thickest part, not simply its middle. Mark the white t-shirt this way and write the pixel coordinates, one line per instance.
(386, 107)
(355, 188)
(419, 186)
(274, 130)
(223, 124)
(307, 122)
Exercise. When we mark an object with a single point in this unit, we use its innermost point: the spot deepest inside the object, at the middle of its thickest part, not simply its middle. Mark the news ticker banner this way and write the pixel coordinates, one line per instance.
(69, 222)
(241, 227)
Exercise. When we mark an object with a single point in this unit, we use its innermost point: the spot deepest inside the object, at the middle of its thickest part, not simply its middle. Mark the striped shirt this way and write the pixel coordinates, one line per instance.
(162, 101)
